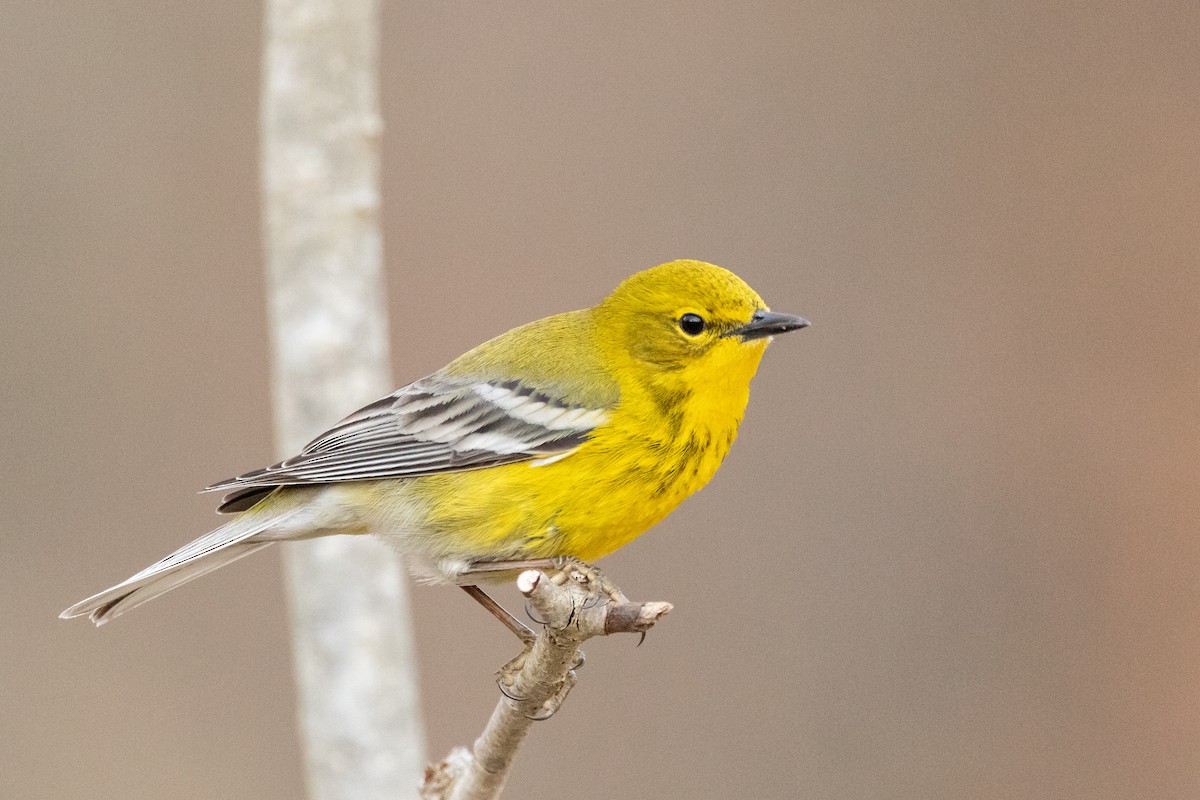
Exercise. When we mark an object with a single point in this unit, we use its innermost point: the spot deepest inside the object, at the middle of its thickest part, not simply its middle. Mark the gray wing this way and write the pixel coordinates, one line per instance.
(436, 424)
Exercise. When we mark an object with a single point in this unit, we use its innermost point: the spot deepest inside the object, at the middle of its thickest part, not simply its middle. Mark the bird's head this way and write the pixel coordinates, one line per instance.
(689, 325)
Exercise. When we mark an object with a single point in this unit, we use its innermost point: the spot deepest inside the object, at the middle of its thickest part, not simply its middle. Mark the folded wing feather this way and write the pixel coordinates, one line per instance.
(436, 424)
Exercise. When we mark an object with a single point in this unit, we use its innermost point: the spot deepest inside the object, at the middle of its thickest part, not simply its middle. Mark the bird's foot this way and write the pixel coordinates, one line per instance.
(564, 568)
(555, 701)
(589, 576)
(507, 678)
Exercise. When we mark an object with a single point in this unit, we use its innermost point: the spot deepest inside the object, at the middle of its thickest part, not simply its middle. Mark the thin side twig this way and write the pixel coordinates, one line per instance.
(535, 683)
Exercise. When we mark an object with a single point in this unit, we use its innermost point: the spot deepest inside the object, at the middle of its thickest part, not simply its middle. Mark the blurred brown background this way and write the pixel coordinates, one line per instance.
(954, 553)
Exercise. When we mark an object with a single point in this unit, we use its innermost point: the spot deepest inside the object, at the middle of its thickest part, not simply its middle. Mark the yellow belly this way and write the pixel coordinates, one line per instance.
(602, 496)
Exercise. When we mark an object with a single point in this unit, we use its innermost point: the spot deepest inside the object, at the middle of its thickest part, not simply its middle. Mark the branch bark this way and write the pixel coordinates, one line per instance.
(535, 683)
(352, 645)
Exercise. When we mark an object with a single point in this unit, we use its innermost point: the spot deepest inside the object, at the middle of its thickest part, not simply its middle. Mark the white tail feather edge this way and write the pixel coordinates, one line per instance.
(211, 551)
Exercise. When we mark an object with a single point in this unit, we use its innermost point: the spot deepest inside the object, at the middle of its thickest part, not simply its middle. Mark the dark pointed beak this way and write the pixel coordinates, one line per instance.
(768, 323)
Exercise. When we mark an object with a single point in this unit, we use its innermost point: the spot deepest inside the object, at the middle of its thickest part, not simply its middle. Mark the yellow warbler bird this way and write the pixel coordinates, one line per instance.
(566, 437)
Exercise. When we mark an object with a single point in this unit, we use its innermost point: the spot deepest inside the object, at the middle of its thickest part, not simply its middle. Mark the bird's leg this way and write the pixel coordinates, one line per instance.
(506, 678)
(499, 612)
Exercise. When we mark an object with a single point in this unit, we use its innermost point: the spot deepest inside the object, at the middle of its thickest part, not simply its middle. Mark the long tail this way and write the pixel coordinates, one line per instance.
(223, 546)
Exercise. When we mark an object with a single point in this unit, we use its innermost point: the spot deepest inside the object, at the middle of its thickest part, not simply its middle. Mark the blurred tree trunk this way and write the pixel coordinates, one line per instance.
(353, 652)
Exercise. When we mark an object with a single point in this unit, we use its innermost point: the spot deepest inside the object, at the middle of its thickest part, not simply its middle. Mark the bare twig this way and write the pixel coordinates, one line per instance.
(535, 683)
(357, 701)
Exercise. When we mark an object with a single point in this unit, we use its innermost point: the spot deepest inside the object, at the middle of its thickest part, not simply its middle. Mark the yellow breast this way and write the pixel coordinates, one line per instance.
(658, 447)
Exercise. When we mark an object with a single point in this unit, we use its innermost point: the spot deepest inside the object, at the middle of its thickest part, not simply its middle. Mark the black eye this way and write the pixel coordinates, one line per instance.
(691, 324)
